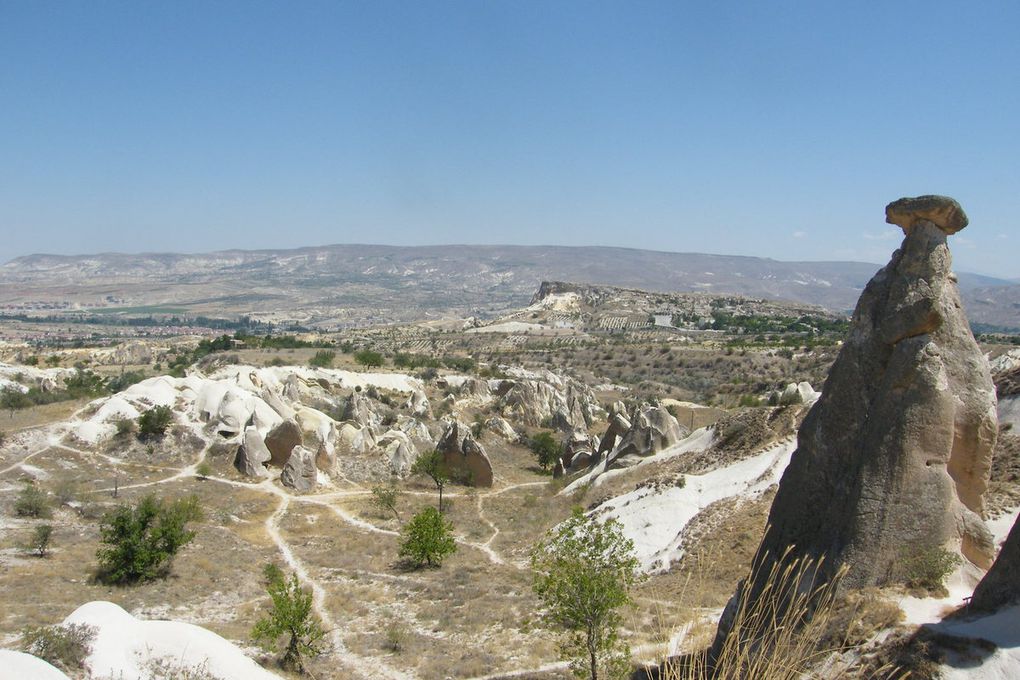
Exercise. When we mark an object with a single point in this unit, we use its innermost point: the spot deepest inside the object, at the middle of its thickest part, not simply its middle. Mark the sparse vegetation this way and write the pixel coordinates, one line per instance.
(927, 569)
(584, 570)
(140, 543)
(65, 647)
(427, 539)
(386, 498)
(290, 617)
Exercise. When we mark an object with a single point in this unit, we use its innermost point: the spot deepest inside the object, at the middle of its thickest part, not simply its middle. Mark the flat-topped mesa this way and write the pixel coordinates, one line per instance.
(942, 211)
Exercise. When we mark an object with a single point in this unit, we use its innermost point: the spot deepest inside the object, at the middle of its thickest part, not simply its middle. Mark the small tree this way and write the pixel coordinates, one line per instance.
(32, 502)
(40, 543)
(323, 358)
(290, 616)
(583, 570)
(367, 357)
(139, 544)
(428, 539)
(203, 470)
(545, 447)
(433, 465)
(386, 497)
(154, 422)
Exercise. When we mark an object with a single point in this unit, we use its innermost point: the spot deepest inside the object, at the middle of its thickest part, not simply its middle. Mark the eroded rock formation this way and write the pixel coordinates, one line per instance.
(893, 459)
(463, 456)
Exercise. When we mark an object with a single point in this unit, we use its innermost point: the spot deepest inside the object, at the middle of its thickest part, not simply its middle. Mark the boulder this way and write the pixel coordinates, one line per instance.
(300, 472)
(652, 430)
(400, 451)
(577, 451)
(252, 454)
(281, 440)
(465, 458)
(894, 457)
(797, 393)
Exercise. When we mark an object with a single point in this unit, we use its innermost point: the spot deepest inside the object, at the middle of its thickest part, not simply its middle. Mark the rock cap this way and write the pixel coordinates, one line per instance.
(942, 211)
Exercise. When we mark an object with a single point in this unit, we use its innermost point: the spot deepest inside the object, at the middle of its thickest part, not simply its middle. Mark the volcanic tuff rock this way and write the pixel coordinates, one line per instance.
(894, 457)
(464, 456)
(652, 430)
(281, 440)
(300, 472)
(252, 454)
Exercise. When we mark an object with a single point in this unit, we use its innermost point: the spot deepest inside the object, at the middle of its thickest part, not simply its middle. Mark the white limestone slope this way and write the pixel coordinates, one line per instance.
(20, 666)
(655, 518)
(1003, 630)
(124, 645)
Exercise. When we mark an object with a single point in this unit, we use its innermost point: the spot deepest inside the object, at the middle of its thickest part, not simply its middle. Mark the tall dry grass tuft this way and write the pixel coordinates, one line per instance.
(784, 627)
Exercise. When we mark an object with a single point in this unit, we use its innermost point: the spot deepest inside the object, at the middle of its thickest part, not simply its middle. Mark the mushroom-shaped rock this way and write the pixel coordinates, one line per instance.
(300, 472)
(463, 456)
(252, 454)
(281, 440)
(894, 457)
(942, 211)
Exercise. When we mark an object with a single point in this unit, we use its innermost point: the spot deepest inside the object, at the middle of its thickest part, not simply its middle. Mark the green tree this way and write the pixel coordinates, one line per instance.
(386, 497)
(154, 422)
(291, 615)
(433, 465)
(32, 502)
(40, 542)
(583, 572)
(14, 399)
(428, 539)
(545, 447)
(367, 357)
(323, 358)
(139, 544)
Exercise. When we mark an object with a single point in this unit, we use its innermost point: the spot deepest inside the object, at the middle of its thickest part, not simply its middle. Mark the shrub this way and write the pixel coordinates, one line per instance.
(125, 426)
(65, 647)
(139, 544)
(367, 357)
(323, 358)
(427, 539)
(124, 381)
(928, 569)
(32, 502)
(40, 542)
(154, 422)
(203, 470)
(290, 616)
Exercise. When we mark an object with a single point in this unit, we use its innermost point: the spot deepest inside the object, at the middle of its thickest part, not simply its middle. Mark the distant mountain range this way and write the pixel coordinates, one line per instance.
(346, 284)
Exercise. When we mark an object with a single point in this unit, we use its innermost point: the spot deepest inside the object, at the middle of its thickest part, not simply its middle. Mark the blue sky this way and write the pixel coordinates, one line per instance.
(776, 129)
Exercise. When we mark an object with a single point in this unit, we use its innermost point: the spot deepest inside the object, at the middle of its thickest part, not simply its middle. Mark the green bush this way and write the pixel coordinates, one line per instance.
(927, 569)
(323, 358)
(139, 544)
(367, 357)
(154, 422)
(65, 647)
(39, 544)
(428, 539)
(32, 502)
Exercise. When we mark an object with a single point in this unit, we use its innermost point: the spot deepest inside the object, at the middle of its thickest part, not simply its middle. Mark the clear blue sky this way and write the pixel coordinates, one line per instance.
(778, 129)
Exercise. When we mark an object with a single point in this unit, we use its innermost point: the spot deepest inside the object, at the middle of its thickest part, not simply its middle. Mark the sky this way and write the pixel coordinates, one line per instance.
(776, 129)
